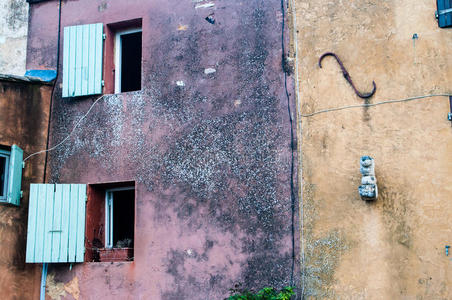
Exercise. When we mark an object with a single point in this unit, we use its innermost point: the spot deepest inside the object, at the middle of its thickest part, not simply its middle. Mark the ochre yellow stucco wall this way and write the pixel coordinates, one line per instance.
(393, 248)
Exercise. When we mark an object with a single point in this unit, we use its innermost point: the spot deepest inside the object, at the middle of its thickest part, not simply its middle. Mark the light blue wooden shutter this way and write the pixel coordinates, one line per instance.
(56, 223)
(82, 60)
(15, 175)
(444, 13)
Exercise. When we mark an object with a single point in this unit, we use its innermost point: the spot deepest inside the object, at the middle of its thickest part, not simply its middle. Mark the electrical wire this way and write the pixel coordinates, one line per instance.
(292, 193)
(72, 131)
(373, 104)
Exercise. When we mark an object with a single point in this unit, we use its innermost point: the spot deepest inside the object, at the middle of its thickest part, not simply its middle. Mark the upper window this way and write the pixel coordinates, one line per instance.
(128, 60)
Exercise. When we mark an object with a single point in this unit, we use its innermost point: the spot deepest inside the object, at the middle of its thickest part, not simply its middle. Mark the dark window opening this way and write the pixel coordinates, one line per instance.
(123, 218)
(131, 62)
(2, 175)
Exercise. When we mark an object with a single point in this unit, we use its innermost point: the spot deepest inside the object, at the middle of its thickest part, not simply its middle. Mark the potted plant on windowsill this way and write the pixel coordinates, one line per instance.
(121, 252)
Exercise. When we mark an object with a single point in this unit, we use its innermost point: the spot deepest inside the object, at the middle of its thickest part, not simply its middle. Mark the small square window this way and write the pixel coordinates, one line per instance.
(128, 60)
(110, 226)
(4, 167)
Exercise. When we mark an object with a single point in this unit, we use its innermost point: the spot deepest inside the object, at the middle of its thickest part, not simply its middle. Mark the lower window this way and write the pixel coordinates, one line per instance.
(110, 228)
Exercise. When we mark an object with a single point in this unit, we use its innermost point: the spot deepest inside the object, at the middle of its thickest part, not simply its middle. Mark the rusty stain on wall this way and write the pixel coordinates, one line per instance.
(24, 107)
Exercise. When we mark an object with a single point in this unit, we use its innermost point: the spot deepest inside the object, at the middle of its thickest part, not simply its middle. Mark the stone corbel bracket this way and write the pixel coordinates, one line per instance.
(368, 190)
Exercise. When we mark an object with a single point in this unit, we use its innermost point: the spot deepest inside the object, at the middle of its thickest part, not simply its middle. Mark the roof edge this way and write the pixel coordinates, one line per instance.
(23, 79)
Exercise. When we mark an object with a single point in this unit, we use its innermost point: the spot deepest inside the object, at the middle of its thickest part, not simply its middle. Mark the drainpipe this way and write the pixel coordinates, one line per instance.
(43, 282)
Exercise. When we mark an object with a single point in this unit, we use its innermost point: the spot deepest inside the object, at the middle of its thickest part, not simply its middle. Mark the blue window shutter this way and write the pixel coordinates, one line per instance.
(15, 175)
(82, 60)
(444, 13)
(56, 223)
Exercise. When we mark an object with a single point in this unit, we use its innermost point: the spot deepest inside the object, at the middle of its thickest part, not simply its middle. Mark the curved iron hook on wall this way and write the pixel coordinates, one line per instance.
(347, 76)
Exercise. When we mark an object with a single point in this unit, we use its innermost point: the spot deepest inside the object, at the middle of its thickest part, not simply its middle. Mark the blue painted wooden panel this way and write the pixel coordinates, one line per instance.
(444, 19)
(56, 223)
(82, 60)
(15, 175)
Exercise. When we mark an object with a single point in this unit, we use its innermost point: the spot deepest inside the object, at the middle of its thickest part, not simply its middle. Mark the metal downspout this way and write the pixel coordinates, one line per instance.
(43, 282)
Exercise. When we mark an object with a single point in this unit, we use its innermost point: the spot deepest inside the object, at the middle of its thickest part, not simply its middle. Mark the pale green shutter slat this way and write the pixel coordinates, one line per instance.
(78, 61)
(40, 223)
(15, 175)
(66, 47)
(85, 67)
(92, 60)
(32, 217)
(65, 223)
(97, 42)
(48, 227)
(73, 222)
(56, 228)
(82, 60)
(72, 56)
(81, 201)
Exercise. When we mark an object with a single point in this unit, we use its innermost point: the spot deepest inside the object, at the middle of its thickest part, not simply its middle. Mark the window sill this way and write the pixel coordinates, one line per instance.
(115, 254)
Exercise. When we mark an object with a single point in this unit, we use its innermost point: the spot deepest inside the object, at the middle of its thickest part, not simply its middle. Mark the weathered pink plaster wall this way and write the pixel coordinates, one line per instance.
(211, 159)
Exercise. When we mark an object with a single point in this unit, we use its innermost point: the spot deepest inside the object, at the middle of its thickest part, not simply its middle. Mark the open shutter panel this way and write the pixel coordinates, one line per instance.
(82, 60)
(15, 175)
(444, 13)
(56, 223)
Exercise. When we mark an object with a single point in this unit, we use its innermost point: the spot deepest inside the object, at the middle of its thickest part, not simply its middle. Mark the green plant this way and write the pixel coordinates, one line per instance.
(267, 293)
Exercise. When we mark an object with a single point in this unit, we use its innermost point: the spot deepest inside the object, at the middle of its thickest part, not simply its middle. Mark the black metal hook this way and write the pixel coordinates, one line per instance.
(347, 76)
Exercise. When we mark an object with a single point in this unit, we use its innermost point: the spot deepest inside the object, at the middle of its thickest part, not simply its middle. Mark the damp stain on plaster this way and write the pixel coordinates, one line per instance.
(57, 290)
(17, 16)
(322, 259)
(397, 213)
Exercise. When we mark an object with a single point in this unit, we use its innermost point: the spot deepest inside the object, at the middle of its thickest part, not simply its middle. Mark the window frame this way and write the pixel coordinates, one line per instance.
(6, 154)
(109, 207)
(118, 54)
